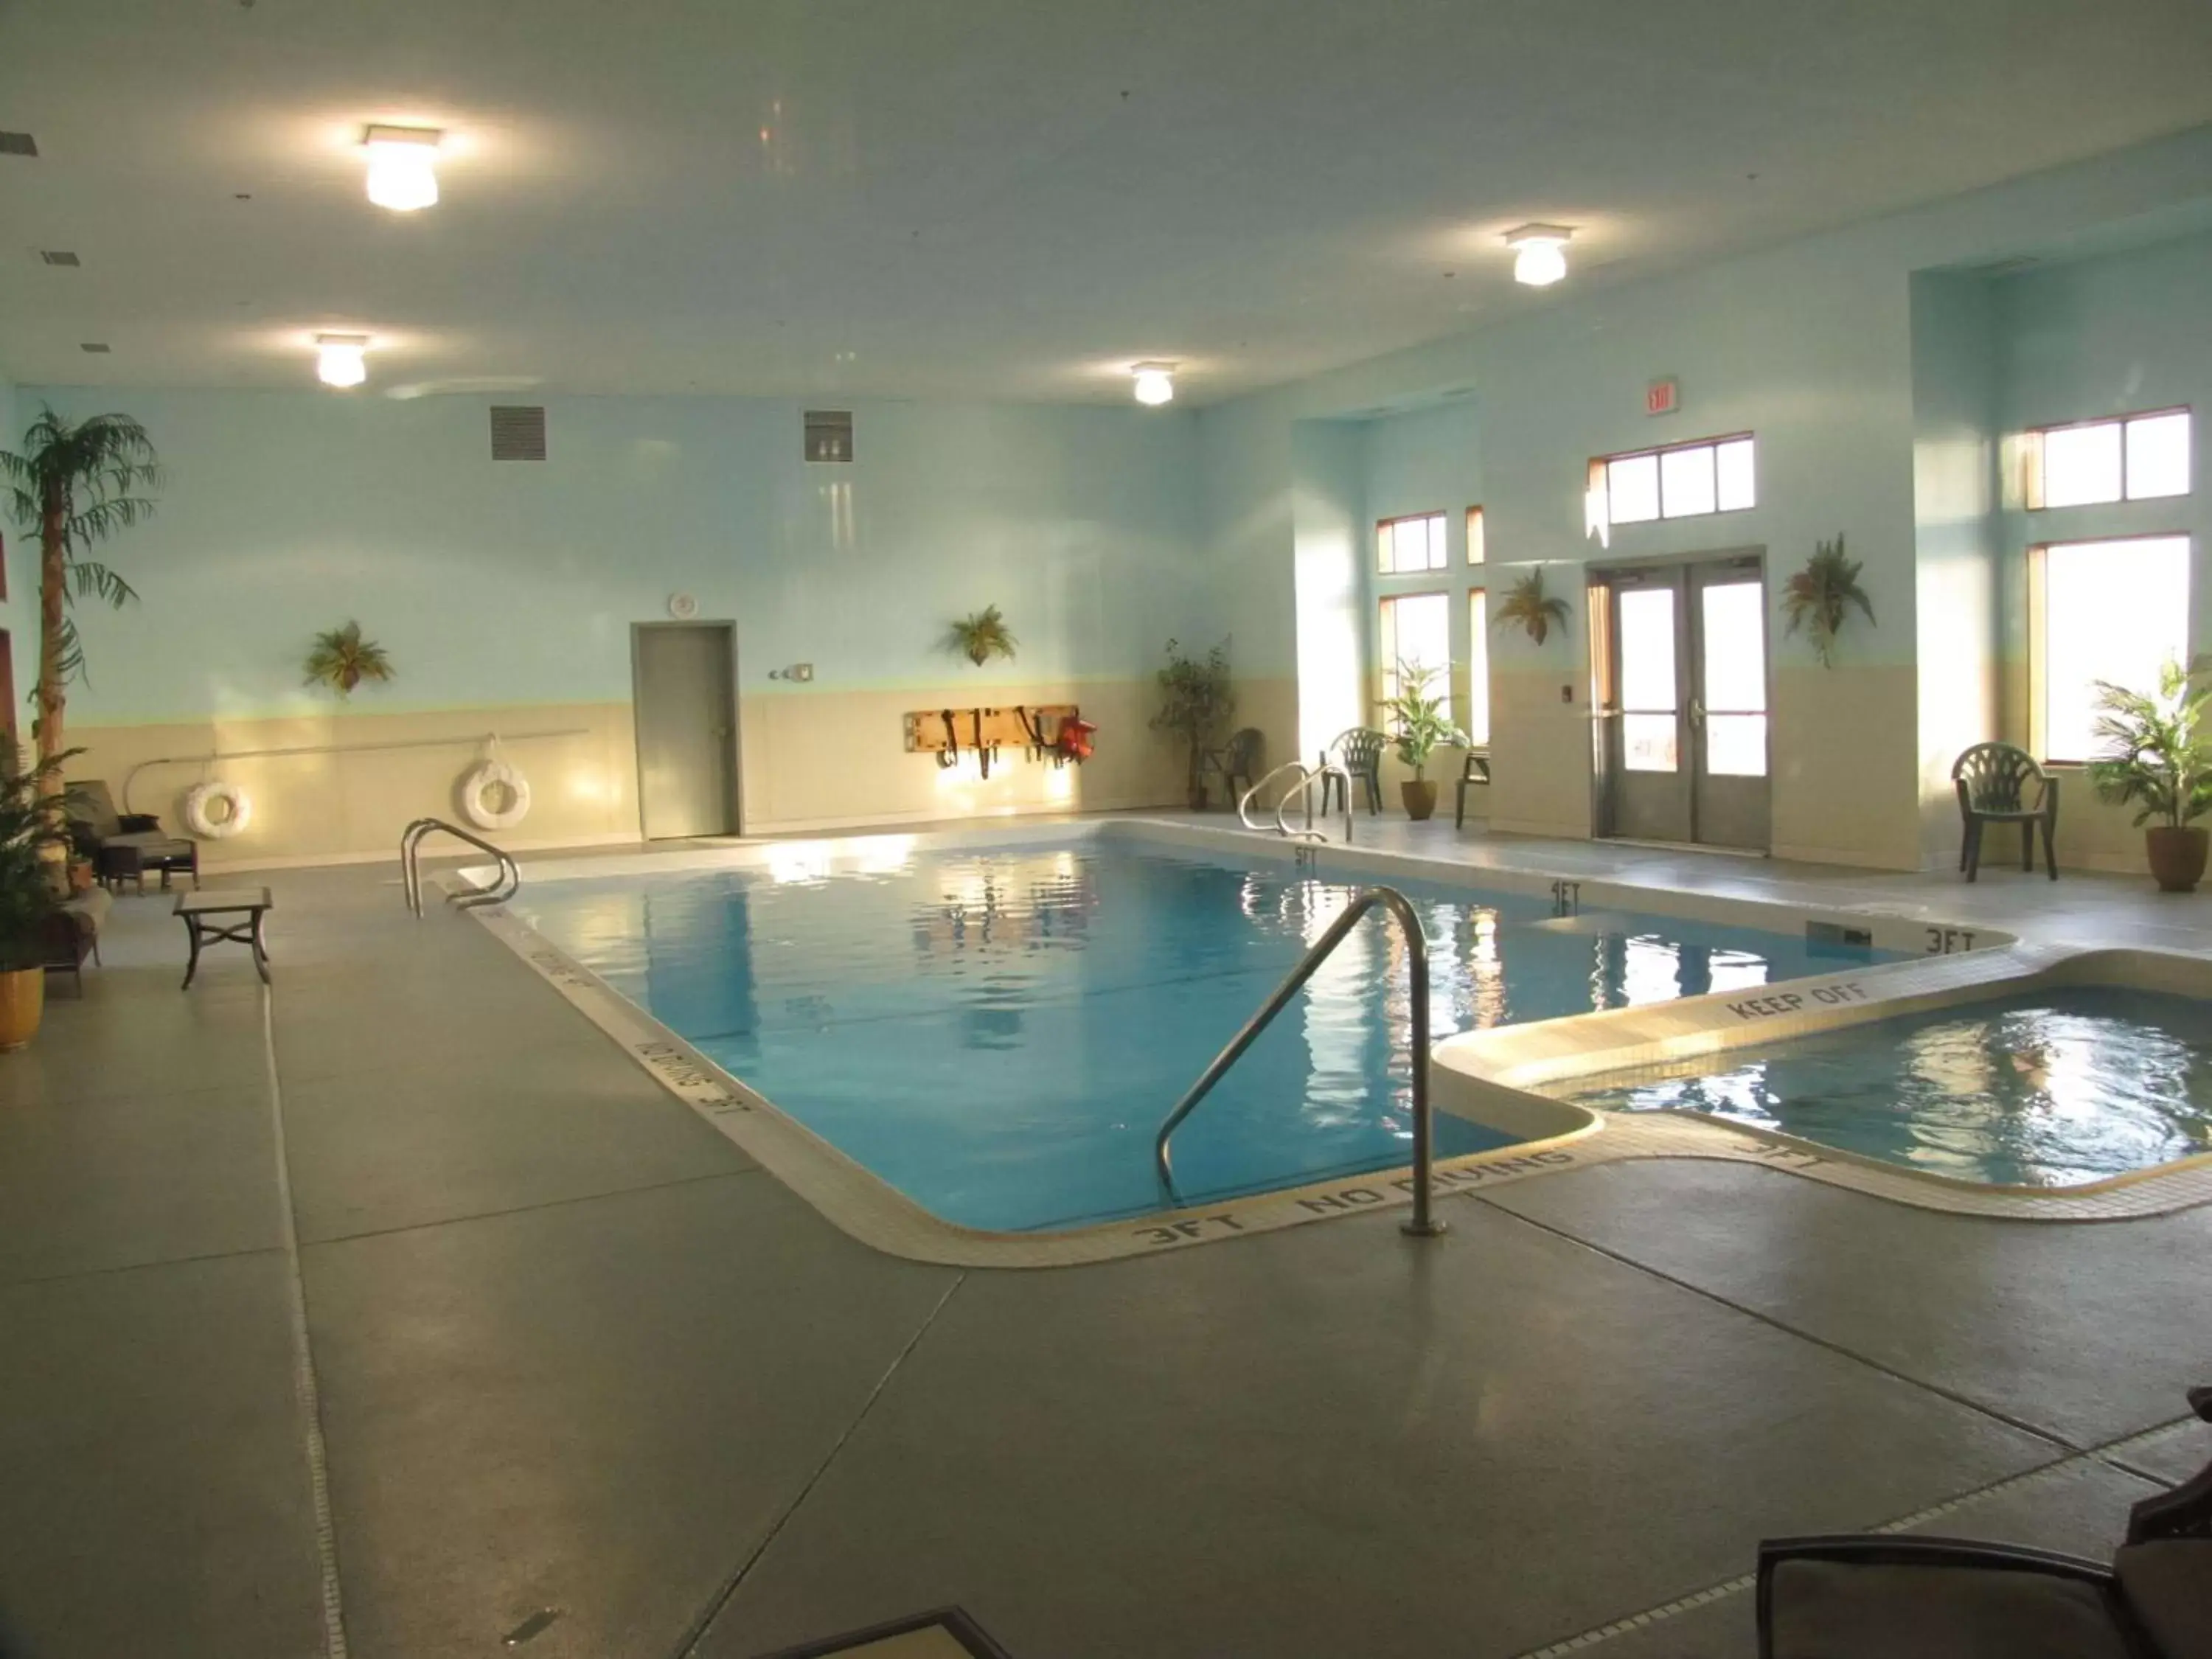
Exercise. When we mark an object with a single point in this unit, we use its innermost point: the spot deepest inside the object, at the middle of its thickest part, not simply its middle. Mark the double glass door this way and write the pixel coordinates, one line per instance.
(1679, 664)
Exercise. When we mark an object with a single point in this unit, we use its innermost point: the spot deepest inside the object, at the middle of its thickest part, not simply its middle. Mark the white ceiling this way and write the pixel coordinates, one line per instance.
(974, 198)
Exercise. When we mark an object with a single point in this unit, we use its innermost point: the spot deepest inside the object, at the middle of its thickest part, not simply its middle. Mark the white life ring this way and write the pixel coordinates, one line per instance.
(477, 795)
(237, 805)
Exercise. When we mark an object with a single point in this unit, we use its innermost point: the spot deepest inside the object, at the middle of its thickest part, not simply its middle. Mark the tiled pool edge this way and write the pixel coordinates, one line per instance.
(868, 1209)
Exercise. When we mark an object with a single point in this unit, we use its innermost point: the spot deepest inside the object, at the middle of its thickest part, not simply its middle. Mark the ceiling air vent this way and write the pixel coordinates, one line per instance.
(18, 143)
(829, 435)
(96, 347)
(55, 255)
(517, 432)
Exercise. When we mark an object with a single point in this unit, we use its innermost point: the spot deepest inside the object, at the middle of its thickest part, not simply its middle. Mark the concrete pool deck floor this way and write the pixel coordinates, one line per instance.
(574, 1352)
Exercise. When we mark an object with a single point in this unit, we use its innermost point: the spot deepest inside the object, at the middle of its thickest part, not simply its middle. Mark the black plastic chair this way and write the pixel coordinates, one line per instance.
(1359, 751)
(1475, 774)
(1237, 758)
(1906, 1598)
(1993, 781)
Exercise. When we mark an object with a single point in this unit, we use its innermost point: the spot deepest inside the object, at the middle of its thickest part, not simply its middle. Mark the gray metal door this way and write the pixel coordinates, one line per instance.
(684, 676)
(1680, 662)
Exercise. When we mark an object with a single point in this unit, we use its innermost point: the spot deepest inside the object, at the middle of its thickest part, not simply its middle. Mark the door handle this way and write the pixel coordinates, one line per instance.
(1697, 712)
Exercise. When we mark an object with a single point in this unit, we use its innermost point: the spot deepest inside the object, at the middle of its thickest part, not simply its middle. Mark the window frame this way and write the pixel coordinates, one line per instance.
(2032, 469)
(1477, 549)
(1478, 656)
(2038, 627)
(1386, 657)
(1385, 536)
(1600, 475)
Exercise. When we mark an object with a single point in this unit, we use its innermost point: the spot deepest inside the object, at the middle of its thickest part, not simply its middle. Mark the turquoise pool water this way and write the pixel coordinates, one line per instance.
(2048, 1090)
(999, 1033)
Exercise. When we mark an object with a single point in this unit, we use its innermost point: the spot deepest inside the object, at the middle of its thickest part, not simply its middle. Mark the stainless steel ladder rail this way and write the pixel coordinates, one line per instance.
(410, 869)
(1303, 790)
(1423, 1223)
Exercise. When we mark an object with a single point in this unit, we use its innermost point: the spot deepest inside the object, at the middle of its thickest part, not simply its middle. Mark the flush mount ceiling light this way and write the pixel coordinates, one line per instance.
(402, 171)
(1155, 383)
(339, 359)
(1540, 254)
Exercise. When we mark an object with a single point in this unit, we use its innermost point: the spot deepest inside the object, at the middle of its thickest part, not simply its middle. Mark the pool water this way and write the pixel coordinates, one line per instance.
(999, 1033)
(2049, 1090)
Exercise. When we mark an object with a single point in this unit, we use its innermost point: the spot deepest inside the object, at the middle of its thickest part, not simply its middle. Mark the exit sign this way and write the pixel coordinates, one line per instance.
(1663, 396)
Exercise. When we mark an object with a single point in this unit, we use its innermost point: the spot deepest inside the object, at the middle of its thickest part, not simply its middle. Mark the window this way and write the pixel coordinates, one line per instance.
(1474, 535)
(2115, 610)
(1406, 547)
(2135, 457)
(1714, 474)
(1478, 661)
(1416, 629)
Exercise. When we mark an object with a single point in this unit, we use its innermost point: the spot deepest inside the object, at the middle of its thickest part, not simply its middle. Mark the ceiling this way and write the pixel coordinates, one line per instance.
(986, 198)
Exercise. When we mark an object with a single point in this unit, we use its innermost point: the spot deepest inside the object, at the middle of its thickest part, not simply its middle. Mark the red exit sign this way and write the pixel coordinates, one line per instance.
(1663, 396)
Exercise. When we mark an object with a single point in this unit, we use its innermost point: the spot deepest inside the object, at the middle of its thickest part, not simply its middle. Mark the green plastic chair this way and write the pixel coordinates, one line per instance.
(1237, 758)
(1993, 781)
(1359, 751)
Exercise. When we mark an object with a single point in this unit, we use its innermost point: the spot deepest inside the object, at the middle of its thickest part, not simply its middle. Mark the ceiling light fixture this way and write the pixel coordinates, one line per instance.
(1155, 383)
(402, 175)
(1540, 254)
(340, 359)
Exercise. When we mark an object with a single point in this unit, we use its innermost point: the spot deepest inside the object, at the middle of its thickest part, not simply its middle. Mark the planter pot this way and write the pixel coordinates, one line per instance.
(22, 1000)
(2177, 857)
(1420, 799)
(80, 877)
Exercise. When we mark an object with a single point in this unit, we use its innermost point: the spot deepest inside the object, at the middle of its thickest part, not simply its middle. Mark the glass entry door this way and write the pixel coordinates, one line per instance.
(1680, 662)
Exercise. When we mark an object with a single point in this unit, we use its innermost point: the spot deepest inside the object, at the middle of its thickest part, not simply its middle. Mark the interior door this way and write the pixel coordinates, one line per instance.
(1646, 746)
(685, 685)
(1727, 706)
(1681, 667)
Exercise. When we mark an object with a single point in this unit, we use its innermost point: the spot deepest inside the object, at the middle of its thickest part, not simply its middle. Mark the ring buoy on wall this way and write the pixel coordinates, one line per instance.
(481, 792)
(216, 811)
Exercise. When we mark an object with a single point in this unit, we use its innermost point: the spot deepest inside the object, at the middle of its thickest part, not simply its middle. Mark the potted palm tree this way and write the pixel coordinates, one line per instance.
(74, 486)
(2156, 757)
(33, 844)
(1419, 726)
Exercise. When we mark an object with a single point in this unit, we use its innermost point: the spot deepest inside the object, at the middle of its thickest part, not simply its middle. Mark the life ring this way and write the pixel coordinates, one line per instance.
(477, 794)
(238, 810)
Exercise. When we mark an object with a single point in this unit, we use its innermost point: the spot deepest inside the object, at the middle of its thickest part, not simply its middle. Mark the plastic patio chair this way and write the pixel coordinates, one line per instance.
(1237, 758)
(1359, 751)
(1889, 1597)
(1474, 773)
(1993, 781)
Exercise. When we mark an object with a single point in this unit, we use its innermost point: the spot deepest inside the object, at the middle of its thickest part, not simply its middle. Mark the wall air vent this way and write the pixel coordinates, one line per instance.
(517, 432)
(18, 143)
(55, 255)
(97, 347)
(829, 435)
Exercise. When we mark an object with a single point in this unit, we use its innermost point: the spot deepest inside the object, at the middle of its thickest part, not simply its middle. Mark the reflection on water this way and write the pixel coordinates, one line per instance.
(2053, 1090)
(999, 1033)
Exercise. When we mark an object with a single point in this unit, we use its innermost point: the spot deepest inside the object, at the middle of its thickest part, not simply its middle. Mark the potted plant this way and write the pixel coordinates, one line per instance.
(72, 487)
(2155, 756)
(1419, 725)
(341, 659)
(982, 636)
(1819, 597)
(32, 843)
(1528, 606)
(1195, 702)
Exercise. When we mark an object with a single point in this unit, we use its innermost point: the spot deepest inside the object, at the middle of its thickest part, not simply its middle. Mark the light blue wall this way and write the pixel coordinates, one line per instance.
(2112, 335)
(513, 582)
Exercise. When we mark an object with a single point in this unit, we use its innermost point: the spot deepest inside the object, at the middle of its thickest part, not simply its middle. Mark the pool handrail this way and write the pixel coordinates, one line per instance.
(411, 872)
(1423, 1223)
(1302, 791)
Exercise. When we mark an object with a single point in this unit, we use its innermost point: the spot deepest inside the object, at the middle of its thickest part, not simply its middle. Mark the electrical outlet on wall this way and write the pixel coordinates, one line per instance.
(1567, 692)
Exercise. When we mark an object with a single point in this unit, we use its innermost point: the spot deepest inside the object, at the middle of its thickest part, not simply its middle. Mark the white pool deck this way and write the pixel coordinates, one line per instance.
(571, 1350)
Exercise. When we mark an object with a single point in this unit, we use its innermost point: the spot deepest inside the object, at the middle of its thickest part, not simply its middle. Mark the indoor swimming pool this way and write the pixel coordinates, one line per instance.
(2054, 1087)
(998, 1033)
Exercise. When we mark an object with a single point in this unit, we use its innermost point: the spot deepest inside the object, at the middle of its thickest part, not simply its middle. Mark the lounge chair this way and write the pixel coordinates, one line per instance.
(123, 846)
(1919, 1598)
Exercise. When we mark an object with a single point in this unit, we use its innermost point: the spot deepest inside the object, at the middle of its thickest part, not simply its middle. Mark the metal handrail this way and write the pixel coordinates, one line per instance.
(1423, 1223)
(410, 869)
(1303, 790)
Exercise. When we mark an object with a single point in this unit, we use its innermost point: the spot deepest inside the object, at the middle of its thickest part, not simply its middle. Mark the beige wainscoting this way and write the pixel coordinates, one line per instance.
(1846, 766)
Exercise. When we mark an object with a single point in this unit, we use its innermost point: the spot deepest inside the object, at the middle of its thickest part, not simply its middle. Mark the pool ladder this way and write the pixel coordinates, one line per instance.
(411, 869)
(1423, 1223)
(1300, 792)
